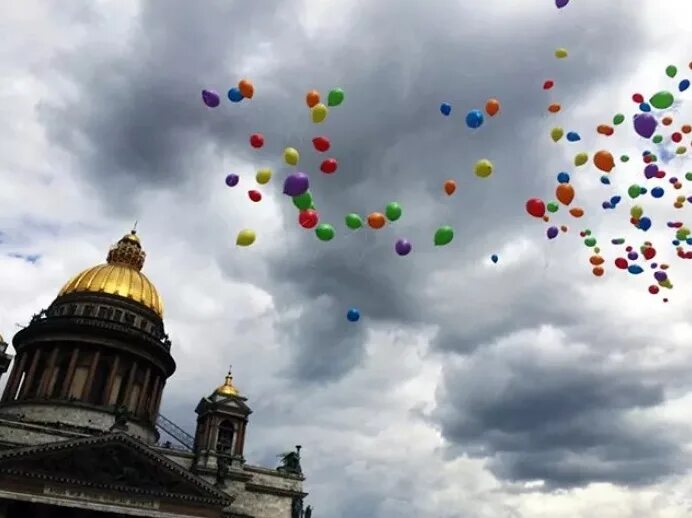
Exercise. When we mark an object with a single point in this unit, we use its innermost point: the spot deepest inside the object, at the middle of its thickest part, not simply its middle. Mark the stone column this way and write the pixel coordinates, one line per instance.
(15, 377)
(64, 390)
(140, 410)
(30, 375)
(111, 380)
(90, 377)
(151, 410)
(241, 439)
(130, 381)
(47, 374)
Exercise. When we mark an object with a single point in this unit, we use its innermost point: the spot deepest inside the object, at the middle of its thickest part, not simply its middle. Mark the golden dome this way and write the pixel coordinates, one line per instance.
(227, 389)
(120, 275)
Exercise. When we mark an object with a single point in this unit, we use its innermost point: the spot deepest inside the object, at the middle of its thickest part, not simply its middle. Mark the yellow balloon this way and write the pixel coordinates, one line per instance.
(319, 113)
(291, 156)
(680, 150)
(561, 53)
(636, 212)
(263, 176)
(556, 134)
(484, 168)
(581, 159)
(245, 237)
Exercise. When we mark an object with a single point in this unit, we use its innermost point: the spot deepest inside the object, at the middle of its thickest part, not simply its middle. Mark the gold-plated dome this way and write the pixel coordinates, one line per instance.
(120, 276)
(227, 389)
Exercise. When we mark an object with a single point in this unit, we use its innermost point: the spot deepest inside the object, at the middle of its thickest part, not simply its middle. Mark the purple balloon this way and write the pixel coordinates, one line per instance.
(561, 3)
(650, 171)
(552, 232)
(403, 247)
(296, 184)
(645, 124)
(210, 98)
(660, 276)
(232, 180)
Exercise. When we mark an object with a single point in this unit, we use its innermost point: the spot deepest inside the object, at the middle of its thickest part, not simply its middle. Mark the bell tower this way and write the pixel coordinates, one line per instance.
(222, 419)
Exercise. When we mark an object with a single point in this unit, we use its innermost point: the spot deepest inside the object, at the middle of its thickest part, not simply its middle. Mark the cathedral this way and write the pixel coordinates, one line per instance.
(80, 429)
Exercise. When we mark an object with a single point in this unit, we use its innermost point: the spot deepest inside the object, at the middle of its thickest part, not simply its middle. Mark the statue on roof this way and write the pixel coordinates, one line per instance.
(122, 416)
(290, 462)
(297, 508)
(308, 512)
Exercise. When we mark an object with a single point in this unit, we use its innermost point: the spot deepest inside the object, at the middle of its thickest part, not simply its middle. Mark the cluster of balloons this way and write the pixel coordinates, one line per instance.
(474, 118)
(244, 90)
(319, 110)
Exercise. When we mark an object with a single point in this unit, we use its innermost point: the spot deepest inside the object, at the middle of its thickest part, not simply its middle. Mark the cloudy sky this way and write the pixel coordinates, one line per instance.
(528, 388)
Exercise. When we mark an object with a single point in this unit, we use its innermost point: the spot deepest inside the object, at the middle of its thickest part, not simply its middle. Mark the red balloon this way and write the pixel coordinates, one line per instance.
(321, 144)
(329, 166)
(535, 207)
(256, 140)
(649, 253)
(621, 263)
(653, 289)
(638, 98)
(255, 195)
(548, 84)
(676, 137)
(308, 218)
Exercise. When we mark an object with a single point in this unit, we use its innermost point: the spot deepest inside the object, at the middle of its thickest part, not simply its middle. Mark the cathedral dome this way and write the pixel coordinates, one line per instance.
(228, 388)
(120, 276)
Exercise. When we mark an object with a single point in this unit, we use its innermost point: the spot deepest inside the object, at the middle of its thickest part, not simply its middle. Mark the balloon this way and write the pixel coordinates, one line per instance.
(644, 224)
(645, 124)
(321, 144)
(232, 180)
(604, 161)
(563, 177)
(671, 71)
(402, 247)
(255, 196)
(662, 100)
(638, 98)
(492, 106)
(576, 212)
(353, 315)
(564, 193)
(393, 211)
(561, 53)
(483, 168)
(604, 129)
(552, 232)
(474, 119)
(234, 95)
(556, 134)
(657, 139)
(291, 156)
(450, 186)
(445, 109)
(376, 220)
(636, 212)
(324, 232)
(257, 140)
(684, 85)
(548, 84)
(319, 113)
(444, 235)
(263, 176)
(645, 107)
(312, 98)
(573, 136)
(246, 88)
(552, 207)
(245, 237)
(335, 97)
(580, 159)
(308, 218)
(210, 98)
(329, 166)
(561, 3)
(554, 108)
(296, 184)
(618, 119)
(303, 201)
(494, 258)
(535, 207)
(634, 269)
(353, 221)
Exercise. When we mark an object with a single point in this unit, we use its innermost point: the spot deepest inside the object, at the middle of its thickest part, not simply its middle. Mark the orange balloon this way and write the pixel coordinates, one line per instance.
(376, 220)
(604, 160)
(546, 218)
(450, 187)
(563, 228)
(686, 128)
(246, 88)
(312, 98)
(554, 108)
(604, 129)
(666, 121)
(598, 271)
(564, 192)
(576, 212)
(596, 260)
(492, 106)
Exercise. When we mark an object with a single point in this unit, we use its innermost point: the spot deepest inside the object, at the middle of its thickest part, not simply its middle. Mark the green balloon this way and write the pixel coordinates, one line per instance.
(634, 191)
(335, 97)
(688, 176)
(353, 221)
(444, 236)
(590, 241)
(671, 70)
(618, 119)
(624, 158)
(657, 139)
(587, 232)
(325, 232)
(552, 206)
(304, 201)
(662, 100)
(393, 211)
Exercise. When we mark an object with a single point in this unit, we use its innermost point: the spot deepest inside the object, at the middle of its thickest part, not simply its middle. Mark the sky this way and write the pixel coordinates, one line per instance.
(524, 389)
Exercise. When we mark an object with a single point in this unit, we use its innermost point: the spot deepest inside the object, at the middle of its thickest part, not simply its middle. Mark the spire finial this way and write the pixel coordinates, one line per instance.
(134, 227)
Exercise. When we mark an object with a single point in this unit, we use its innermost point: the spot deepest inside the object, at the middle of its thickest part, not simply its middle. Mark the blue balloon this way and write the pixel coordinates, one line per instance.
(684, 85)
(634, 269)
(494, 258)
(643, 190)
(675, 242)
(615, 200)
(353, 315)
(563, 177)
(688, 240)
(573, 136)
(234, 95)
(606, 205)
(445, 109)
(474, 119)
(645, 107)
(644, 224)
(657, 192)
(605, 180)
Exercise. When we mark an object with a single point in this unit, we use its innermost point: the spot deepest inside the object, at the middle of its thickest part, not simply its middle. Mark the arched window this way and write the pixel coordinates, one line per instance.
(224, 441)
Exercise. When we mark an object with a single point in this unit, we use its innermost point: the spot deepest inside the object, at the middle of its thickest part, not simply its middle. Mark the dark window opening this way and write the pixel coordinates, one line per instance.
(224, 442)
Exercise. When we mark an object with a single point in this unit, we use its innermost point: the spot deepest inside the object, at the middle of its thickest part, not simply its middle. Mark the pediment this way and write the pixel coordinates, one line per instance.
(115, 462)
